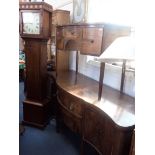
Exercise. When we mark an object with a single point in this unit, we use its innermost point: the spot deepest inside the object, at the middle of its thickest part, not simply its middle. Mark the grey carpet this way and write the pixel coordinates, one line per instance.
(48, 142)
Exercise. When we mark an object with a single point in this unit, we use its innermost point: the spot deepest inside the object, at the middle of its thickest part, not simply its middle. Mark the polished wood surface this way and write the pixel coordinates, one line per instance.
(36, 59)
(36, 113)
(103, 134)
(96, 121)
(119, 107)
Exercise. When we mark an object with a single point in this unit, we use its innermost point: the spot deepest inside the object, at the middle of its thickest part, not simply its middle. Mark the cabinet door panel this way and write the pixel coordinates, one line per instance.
(99, 131)
(69, 119)
(107, 137)
(73, 104)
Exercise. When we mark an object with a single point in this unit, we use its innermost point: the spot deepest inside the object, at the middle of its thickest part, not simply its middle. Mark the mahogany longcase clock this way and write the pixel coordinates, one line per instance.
(35, 29)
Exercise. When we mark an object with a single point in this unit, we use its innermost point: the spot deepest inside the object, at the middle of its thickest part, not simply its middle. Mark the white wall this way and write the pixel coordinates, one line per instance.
(112, 75)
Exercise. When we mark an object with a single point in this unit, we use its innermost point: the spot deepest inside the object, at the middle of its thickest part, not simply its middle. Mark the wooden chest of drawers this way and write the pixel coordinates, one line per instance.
(86, 40)
(89, 39)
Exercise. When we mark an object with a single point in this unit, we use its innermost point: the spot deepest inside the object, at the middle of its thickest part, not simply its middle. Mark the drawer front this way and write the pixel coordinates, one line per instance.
(91, 47)
(72, 33)
(71, 122)
(92, 33)
(71, 103)
(92, 41)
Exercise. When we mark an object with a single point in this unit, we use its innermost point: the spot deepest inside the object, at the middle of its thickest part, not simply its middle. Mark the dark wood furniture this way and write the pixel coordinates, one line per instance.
(104, 119)
(35, 31)
(132, 148)
(59, 17)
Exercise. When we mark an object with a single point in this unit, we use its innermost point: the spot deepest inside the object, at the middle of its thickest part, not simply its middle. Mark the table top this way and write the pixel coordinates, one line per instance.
(120, 107)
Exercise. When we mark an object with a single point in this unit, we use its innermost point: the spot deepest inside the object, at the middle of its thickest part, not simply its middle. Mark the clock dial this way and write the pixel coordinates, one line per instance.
(31, 23)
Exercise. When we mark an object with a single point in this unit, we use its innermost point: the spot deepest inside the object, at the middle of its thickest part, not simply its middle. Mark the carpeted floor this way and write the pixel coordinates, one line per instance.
(48, 142)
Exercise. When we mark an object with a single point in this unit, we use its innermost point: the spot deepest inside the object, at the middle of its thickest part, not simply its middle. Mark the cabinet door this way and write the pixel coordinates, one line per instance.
(98, 131)
(101, 132)
(71, 110)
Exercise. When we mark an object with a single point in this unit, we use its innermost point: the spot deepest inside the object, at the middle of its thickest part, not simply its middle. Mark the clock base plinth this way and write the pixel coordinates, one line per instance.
(35, 113)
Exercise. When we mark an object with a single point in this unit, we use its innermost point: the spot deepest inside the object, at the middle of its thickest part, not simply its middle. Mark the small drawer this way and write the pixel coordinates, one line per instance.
(91, 43)
(70, 102)
(92, 33)
(72, 33)
(75, 107)
(91, 46)
(63, 97)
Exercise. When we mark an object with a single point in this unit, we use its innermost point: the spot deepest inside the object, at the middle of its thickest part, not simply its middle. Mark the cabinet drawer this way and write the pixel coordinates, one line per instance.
(92, 41)
(70, 121)
(71, 103)
(72, 33)
(91, 46)
(92, 33)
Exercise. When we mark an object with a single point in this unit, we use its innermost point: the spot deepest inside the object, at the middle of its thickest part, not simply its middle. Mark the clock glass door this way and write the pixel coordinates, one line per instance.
(31, 23)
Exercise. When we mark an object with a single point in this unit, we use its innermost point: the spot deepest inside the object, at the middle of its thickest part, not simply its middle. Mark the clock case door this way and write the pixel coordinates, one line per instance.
(32, 25)
(44, 24)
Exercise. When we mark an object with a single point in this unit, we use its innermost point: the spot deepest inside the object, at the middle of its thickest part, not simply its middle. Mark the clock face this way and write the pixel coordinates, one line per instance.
(31, 23)
(79, 10)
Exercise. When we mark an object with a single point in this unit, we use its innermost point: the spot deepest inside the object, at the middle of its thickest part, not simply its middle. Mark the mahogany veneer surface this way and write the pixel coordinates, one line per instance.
(119, 107)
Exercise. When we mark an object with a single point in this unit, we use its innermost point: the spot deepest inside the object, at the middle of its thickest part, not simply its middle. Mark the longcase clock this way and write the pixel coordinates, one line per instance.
(35, 29)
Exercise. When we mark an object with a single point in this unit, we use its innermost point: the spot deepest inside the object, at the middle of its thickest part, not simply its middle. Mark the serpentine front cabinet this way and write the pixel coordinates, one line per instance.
(107, 123)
